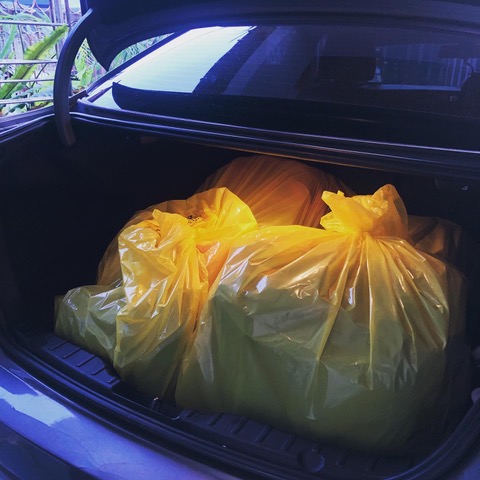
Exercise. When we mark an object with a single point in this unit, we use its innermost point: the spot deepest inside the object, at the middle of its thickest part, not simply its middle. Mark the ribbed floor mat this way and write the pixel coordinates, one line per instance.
(294, 456)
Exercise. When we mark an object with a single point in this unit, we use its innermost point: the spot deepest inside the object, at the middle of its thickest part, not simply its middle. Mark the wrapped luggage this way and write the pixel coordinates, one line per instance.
(448, 241)
(340, 334)
(167, 265)
(87, 316)
(278, 191)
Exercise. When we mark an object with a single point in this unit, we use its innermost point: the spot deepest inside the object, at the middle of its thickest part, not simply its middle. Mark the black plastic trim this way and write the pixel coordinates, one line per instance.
(369, 123)
(228, 440)
(13, 130)
(393, 157)
(238, 441)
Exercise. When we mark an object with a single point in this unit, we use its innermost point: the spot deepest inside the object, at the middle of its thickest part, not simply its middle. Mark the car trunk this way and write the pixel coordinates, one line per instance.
(60, 208)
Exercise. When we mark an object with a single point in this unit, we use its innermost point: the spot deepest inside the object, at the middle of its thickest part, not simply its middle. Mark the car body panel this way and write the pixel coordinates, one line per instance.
(43, 433)
(121, 23)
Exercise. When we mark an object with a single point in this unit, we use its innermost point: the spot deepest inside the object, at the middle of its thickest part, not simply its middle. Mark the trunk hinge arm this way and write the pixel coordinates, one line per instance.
(62, 81)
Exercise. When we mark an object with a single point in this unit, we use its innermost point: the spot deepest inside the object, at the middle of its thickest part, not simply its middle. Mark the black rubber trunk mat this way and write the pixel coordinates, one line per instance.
(294, 456)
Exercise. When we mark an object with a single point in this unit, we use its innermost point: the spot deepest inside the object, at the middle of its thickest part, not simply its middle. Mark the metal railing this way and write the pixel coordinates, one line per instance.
(25, 62)
(22, 24)
(19, 101)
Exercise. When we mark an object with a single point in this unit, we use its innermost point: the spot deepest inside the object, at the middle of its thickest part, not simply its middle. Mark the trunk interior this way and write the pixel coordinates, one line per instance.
(61, 207)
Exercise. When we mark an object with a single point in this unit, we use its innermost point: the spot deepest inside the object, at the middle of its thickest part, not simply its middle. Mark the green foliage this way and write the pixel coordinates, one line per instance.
(37, 51)
(37, 42)
(86, 70)
(29, 41)
(133, 50)
(10, 32)
(7, 51)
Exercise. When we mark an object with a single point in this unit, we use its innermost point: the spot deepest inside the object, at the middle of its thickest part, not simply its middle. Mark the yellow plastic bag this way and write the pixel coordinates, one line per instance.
(165, 285)
(167, 265)
(448, 241)
(337, 334)
(278, 191)
(220, 206)
(87, 315)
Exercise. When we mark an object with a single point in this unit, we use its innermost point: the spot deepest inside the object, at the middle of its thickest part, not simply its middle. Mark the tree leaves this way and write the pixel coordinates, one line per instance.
(37, 51)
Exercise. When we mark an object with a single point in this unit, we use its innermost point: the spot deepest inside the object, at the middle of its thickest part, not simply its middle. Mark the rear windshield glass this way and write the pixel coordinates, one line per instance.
(408, 69)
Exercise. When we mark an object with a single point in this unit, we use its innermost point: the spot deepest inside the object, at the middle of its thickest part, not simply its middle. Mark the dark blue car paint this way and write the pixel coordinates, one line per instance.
(44, 435)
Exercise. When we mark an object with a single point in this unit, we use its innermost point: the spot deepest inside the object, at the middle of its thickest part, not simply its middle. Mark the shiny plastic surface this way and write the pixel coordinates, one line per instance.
(88, 315)
(278, 191)
(448, 241)
(338, 334)
(43, 435)
(167, 265)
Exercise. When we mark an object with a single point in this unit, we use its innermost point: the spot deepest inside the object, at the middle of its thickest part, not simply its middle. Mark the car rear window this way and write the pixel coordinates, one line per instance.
(408, 69)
